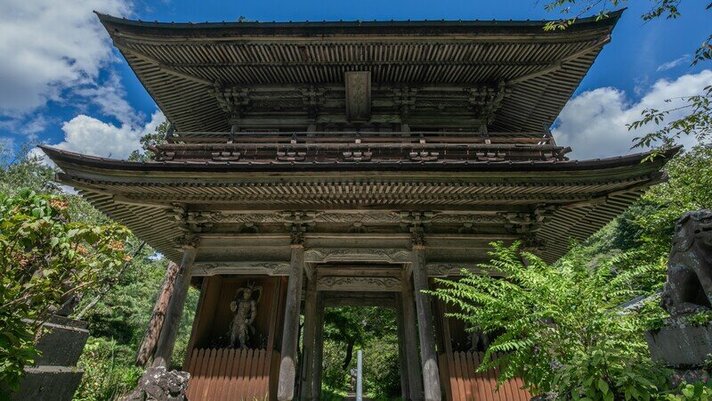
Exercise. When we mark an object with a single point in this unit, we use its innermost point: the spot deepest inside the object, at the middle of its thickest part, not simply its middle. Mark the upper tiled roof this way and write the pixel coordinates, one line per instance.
(183, 66)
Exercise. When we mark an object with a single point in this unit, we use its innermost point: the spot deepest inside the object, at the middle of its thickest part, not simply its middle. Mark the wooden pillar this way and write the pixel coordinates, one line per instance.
(288, 363)
(318, 348)
(307, 363)
(410, 338)
(174, 312)
(402, 353)
(428, 356)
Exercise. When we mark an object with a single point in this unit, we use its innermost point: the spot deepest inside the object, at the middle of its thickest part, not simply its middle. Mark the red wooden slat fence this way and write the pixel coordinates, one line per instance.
(464, 384)
(228, 374)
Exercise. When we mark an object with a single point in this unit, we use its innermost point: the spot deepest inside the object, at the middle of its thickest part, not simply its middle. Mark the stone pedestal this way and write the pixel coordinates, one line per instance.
(55, 376)
(679, 346)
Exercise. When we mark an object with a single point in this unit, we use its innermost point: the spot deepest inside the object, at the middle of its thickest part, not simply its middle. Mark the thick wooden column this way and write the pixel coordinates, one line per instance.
(288, 364)
(318, 348)
(174, 312)
(307, 363)
(410, 339)
(428, 356)
(402, 353)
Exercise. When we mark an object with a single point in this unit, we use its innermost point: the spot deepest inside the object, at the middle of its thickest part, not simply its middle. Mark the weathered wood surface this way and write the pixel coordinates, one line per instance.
(467, 385)
(410, 339)
(174, 310)
(158, 316)
(309, 349)
(431, 376)
(227, 374)
(288, 364)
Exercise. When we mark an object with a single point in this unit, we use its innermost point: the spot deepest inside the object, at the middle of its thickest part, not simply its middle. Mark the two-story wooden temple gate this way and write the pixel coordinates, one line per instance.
(341, 162)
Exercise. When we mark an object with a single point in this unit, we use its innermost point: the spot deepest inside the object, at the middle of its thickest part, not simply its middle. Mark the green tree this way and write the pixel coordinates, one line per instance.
(371, 329)
(150, 140)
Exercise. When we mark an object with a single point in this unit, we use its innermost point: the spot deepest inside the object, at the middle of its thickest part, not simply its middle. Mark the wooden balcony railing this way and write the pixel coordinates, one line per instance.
(359, 146)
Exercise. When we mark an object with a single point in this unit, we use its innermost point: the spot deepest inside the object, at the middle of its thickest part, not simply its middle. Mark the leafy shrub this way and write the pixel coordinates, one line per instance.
(691, 392)
(46, 260)
(108, 370)
(562, 329)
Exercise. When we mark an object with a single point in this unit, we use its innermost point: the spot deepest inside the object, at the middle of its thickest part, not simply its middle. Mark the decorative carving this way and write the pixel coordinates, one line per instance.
(529, 222)
(234, 101)
(213, 268)
(688, 288)
(200, 221)
(296, 235)
(365, 217)
(244, 306)
(187, 241)
(417, 236)
(383, 255)
(416, 218)
(361, 283)
(404, 100)
(313, 98)
(486, 100)
(440, 269)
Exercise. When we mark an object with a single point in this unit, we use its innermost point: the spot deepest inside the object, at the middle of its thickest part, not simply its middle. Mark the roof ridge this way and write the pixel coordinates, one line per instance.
(612, 18)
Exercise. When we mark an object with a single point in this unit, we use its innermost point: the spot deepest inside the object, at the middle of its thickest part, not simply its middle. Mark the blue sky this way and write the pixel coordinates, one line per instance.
(63, 83)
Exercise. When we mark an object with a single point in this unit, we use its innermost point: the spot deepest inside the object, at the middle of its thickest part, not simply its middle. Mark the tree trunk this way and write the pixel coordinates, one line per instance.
(158, 316)
(349, 353)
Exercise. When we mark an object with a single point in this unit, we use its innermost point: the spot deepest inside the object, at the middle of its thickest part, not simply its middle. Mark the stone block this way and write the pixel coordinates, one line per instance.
(63, 343)
(48, 384)
(55, 376)
(679, 346)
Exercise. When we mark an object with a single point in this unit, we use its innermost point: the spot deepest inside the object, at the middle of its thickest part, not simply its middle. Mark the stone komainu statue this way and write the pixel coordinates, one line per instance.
(688, 288)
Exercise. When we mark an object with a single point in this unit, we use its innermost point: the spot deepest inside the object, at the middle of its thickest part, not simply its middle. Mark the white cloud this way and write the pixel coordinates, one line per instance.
(110, 96)
(673, 63)
(594, 122)
(88, 135)
(50, 46)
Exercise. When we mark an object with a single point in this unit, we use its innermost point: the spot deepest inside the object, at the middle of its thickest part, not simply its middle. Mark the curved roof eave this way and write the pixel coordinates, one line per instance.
(81, 161)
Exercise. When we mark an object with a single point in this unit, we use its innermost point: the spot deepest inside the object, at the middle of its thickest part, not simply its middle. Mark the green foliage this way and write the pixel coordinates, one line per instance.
(150, 140)
(689, 187)
(371, 329)
(697, 122)
(117, 304)
(691, 392)
(108, 370)
(46, 259)
(381, 368)
(22, 170)
(118, 322)
(561, 328)
(699, 318)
